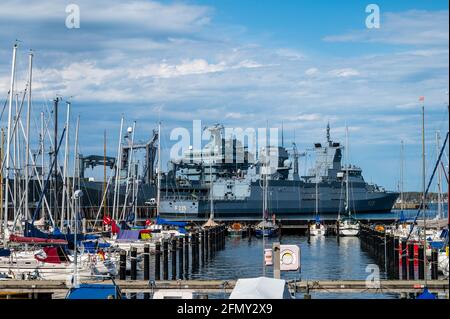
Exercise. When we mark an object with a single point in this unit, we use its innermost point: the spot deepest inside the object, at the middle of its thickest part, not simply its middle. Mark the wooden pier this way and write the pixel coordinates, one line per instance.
(144, 286)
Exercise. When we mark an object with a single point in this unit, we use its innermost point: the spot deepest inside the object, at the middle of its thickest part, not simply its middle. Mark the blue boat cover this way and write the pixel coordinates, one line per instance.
(92, 246)
(128, 234)
(161, 221)
(4, 252)
(92, 291)
(32, 231)
(426, 295)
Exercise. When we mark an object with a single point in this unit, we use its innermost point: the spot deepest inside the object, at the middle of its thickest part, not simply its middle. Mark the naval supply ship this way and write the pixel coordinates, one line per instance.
(204, 183)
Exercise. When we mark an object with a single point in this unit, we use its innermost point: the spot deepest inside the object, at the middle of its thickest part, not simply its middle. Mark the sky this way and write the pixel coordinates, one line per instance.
(244, 64)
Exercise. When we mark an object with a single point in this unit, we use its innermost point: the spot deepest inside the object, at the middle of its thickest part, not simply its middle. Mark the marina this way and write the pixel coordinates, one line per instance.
(119, 179)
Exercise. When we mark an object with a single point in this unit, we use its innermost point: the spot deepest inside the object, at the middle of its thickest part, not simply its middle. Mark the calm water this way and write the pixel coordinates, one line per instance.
(322, 259)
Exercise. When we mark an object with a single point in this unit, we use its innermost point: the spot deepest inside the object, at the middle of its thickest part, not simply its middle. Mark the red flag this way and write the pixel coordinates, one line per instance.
(106, 220)
(114, 228)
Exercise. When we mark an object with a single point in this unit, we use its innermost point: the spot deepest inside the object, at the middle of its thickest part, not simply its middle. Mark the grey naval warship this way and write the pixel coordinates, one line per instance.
(204, 182)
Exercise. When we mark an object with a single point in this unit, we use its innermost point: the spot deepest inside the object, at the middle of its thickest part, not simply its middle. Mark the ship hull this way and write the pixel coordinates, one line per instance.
(285, 201)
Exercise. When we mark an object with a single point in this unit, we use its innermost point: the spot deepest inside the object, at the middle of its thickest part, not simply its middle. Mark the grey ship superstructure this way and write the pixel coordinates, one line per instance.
(234, 188)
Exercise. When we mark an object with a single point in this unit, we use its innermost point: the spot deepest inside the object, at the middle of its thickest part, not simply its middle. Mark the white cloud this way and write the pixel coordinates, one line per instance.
(312, 71)
(344, 73)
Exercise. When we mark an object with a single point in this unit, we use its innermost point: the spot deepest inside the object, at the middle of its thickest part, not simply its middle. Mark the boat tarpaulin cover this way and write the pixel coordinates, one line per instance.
(128, 234)
(426, 295)
(4, 252)
(32, 231)
(92, 291)
(51, 255)
(162, 221)
(260, 288)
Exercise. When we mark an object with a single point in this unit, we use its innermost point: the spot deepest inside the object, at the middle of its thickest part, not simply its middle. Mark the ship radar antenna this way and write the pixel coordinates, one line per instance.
(328, 132)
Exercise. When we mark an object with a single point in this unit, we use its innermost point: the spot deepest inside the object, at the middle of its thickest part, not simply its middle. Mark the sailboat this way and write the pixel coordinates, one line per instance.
(266, 228)
(317, 228)
(348, 225)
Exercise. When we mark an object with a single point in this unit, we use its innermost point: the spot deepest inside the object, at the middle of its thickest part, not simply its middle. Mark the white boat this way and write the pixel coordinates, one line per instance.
(260, 288)
(348, 227)
(317, 229)
(52, 263)
(443, 262)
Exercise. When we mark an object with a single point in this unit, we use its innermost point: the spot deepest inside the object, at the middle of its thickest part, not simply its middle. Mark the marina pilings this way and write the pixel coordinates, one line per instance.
(146, 267)
(404, 262)
(133, 262)
(411, 261)
(180, 257)
(157, 261)
(421, 260)
(434, 263)
(173, 250)
(122, 264)
(165, 259)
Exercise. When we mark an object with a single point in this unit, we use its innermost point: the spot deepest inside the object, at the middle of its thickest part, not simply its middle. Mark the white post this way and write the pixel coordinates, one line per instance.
(11, 95)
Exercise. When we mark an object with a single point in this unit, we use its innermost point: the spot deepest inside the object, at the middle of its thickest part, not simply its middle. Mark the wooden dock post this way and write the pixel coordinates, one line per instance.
(165, 259)
(308, 231)
(206, 234)
(396, 258)
(133, 262)
(434, 264)
(193, 265)
(421, 258)
(173, 248)
(122, 265)
(337, 232)
(411, 260)
(404, 262)
(180, 257)
(146, 267)
(158, 261)
(202, 238)
(186, 255)
(197, 249)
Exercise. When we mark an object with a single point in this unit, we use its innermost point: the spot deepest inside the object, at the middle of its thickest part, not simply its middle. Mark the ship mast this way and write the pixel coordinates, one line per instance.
(158, 190)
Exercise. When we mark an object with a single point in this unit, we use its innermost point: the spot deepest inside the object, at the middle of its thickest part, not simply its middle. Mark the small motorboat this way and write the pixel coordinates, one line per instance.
(237, 230)
(266, 229)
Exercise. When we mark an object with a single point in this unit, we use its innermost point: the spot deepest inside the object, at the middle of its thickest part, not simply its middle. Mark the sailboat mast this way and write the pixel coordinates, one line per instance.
(439, 181)
(347, 204)
(158, 190)
(423, 194)
(118, 167)
(65, 193)
(8, 144)
(27, 153)
(402, 204)
(104, 173)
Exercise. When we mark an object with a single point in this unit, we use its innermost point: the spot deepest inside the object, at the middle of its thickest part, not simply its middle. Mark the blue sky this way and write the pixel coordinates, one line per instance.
(242, 63)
